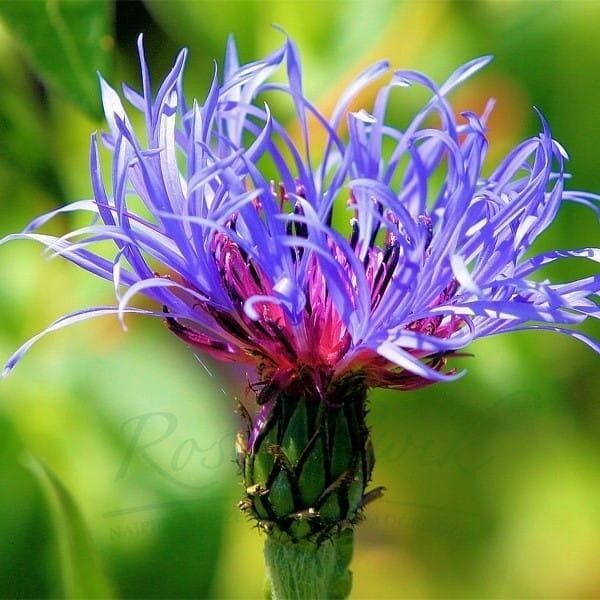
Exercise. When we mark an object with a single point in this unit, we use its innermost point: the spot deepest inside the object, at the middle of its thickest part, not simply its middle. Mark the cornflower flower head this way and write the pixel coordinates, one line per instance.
(366, 262)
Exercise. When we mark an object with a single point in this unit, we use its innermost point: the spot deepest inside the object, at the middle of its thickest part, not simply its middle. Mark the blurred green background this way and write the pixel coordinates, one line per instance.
(493, 482)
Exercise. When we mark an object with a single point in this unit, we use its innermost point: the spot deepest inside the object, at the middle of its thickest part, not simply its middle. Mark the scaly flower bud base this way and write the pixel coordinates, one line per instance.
(307, 459)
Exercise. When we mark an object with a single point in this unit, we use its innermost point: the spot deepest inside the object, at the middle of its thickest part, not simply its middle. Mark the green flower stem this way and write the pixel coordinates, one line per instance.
(306, 570)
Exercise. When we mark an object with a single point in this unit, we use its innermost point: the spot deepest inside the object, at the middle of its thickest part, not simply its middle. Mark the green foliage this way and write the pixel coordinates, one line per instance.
(82, 571)
(23, 134)
(66, 42)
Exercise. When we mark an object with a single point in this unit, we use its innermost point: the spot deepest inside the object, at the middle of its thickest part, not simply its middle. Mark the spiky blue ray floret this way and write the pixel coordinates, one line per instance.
(200, 172)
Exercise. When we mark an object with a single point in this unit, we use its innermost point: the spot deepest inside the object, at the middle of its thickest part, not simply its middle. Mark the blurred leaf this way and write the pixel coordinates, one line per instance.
(82, 572)
(24, 141)
(204, 25)
(24, 564)
(66, 42)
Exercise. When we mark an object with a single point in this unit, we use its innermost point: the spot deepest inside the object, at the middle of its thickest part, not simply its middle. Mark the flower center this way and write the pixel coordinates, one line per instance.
(260, 331)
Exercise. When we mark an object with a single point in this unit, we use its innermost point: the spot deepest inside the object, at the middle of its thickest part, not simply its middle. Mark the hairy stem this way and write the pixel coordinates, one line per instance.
(306, 570)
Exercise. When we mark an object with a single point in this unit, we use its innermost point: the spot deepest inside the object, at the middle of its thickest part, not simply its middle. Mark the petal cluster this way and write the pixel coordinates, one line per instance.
(380, 251)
